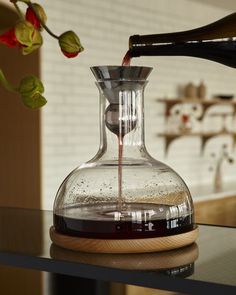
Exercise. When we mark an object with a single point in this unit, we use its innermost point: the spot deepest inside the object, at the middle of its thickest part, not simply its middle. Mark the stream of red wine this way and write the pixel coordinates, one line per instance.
(120, 156)
(125, 62)
(127, 59)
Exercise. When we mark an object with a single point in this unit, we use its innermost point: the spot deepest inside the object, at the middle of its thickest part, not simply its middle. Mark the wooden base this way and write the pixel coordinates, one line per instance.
(123, 246)
(134, 261)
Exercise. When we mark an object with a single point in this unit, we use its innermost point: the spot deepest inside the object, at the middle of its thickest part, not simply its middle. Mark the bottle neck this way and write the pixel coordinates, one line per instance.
(122, 120)
(214, 42)
(219, 51)
(220, 29)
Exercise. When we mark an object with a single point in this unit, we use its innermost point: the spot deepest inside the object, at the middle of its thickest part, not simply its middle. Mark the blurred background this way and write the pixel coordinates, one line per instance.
(70, 130)
(65, 133)
(40, 148)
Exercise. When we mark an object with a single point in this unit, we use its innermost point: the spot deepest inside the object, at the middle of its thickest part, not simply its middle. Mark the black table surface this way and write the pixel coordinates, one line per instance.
(209, 265)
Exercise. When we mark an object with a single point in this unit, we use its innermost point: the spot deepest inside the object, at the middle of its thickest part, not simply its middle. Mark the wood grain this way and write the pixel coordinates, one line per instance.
(135, 261)
(219, 211)
(123, 246)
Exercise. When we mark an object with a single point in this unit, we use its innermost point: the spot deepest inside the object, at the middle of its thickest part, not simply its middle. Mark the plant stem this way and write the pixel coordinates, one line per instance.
(5, 83)
(41, 22)
(48, 30)
(21, 15)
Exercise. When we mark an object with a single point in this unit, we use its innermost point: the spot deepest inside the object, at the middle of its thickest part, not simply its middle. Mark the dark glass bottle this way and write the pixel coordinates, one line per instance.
(214, 42)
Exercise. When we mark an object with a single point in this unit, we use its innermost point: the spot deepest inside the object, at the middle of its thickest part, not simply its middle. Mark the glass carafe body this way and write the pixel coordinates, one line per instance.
(122, 193)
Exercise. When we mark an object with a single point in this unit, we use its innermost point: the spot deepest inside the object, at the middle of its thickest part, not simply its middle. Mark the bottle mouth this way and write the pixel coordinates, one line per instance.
(121, 73)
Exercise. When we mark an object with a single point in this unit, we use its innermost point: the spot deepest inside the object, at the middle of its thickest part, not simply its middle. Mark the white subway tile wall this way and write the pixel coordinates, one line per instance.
(70, 131)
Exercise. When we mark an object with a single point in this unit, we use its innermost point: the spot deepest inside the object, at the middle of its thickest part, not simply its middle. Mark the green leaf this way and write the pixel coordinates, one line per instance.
(28, 37)
(34, 102)
(30, 85)
(31, 89)
(24, 33)
(37, 42)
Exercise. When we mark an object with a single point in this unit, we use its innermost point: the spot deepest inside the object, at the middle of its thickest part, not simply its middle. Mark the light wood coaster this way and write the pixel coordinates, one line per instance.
(135, 261)
(123, 246)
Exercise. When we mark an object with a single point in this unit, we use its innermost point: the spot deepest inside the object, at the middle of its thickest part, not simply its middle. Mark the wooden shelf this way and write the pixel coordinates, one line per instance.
(171, 134)
(204, 136)
(198, 100)
(206, 104)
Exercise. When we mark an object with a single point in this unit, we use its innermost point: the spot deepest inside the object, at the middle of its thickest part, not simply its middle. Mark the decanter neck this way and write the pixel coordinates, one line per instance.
(121, 110)
(122, 119)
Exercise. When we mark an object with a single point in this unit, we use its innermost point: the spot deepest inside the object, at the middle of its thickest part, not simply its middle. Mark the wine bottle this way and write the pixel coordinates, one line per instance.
(214, 42)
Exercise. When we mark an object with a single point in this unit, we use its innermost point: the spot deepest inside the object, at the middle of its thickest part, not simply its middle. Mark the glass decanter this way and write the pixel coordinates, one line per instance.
(122, 193)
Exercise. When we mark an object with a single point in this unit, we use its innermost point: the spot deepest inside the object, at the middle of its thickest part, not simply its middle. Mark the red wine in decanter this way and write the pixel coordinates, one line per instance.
(101, 223)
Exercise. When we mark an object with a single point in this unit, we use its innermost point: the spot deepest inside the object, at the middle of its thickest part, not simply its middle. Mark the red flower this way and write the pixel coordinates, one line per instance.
(70, 55)
(32, 18)
(9, 38)
(24, 36)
